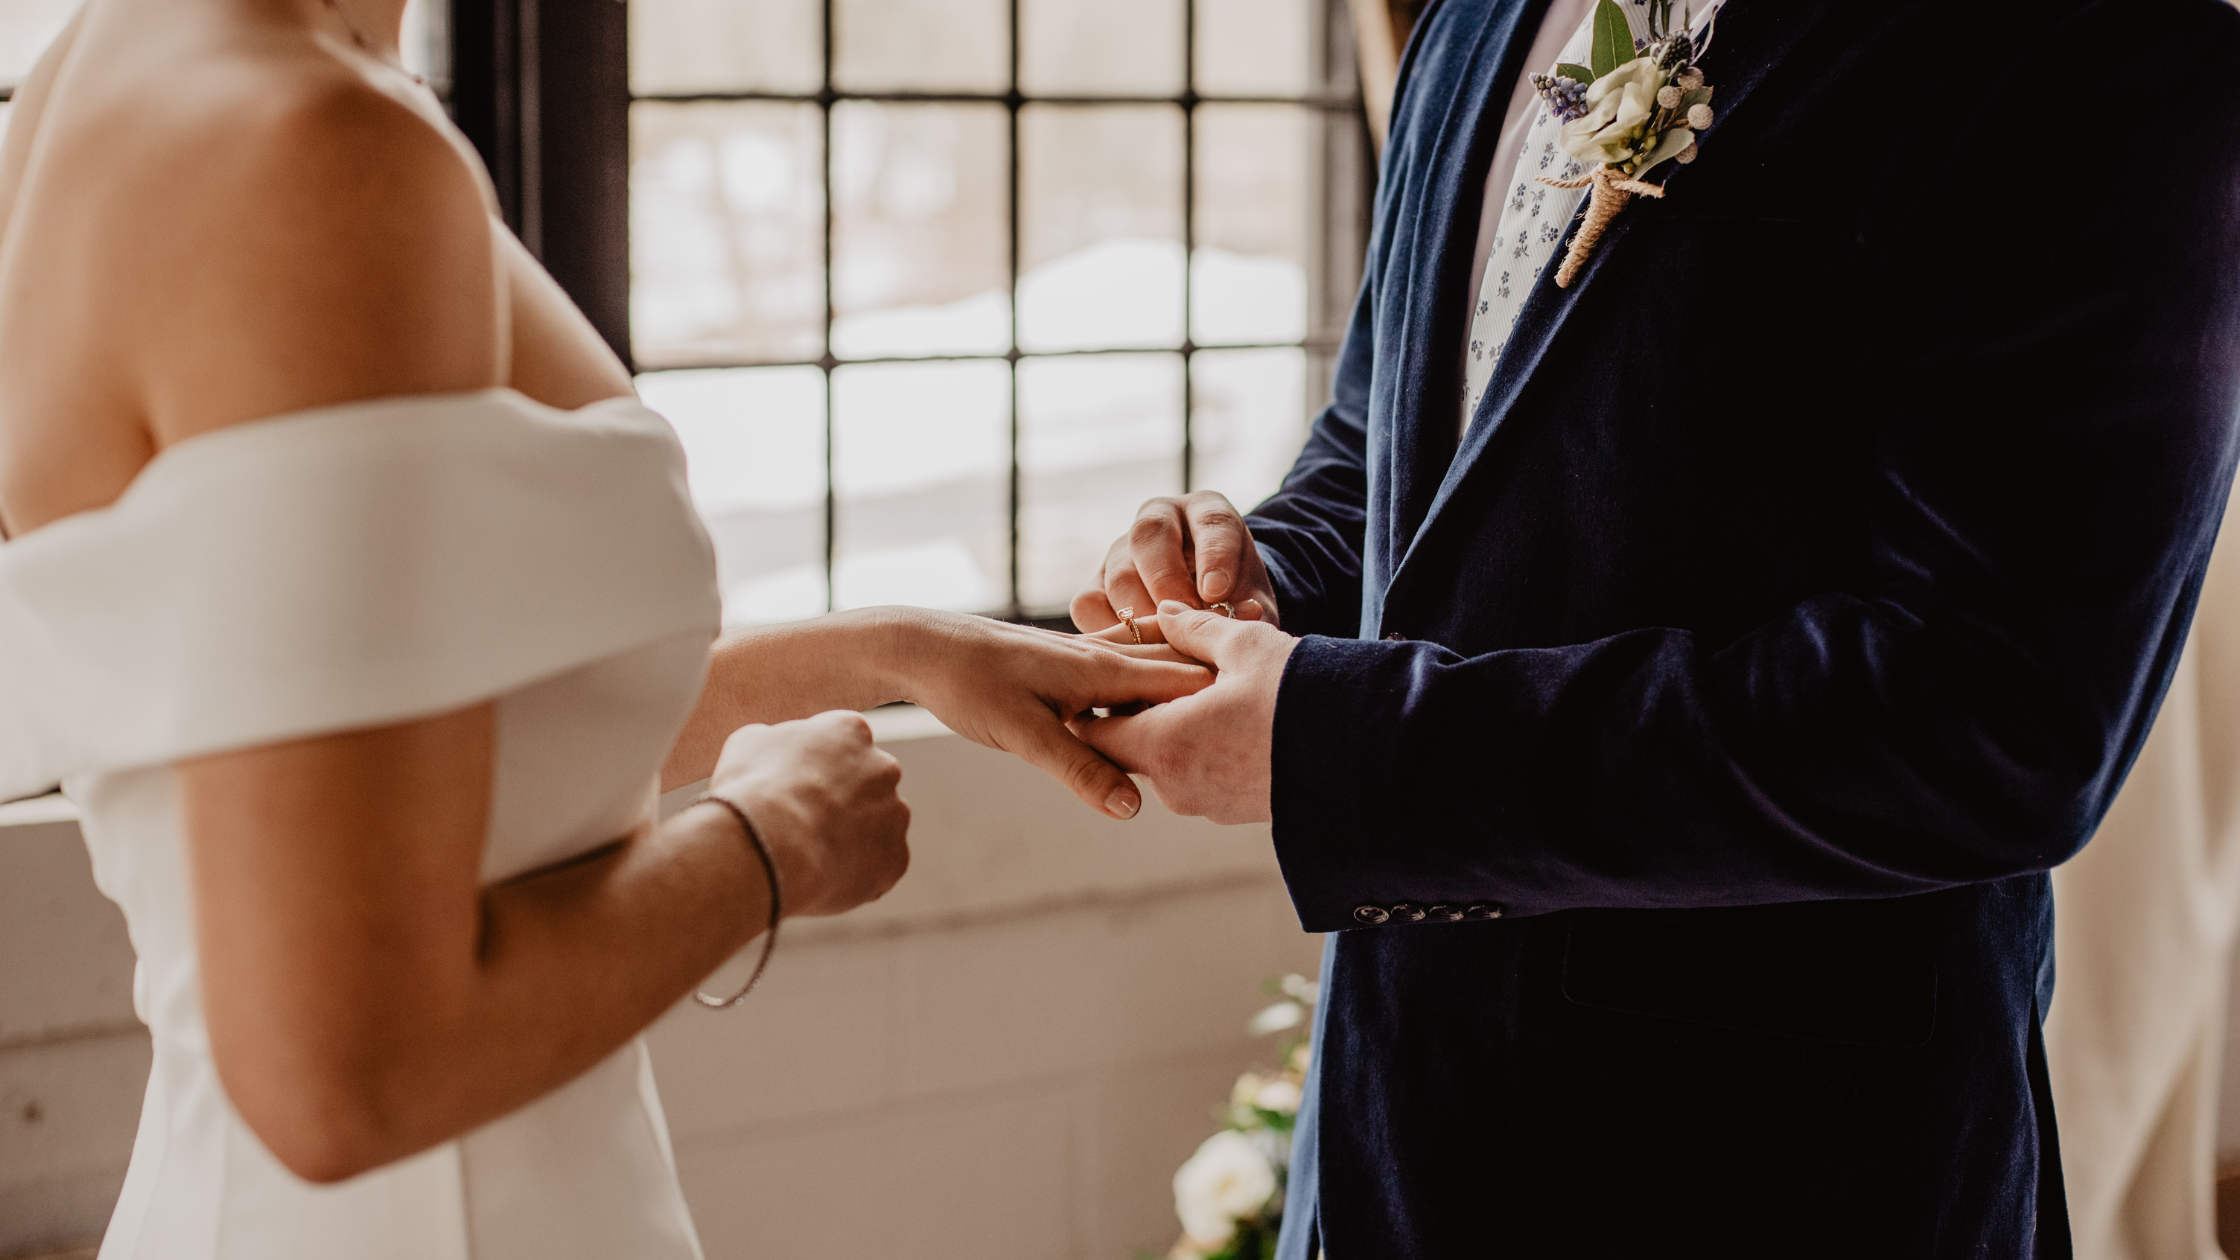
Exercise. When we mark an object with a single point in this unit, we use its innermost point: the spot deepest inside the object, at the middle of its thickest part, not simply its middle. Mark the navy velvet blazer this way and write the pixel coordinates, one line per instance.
(1803, 591)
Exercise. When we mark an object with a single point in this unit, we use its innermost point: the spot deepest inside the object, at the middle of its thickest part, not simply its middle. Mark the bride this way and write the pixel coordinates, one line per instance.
(357, 603)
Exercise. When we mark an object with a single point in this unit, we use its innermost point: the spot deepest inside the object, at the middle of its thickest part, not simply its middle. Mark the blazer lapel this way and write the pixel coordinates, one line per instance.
(1752, 37)
(1469, 53)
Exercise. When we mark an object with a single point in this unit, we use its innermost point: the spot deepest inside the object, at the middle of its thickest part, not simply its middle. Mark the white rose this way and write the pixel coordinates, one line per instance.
(1227, 1179)
(1277, 1018)
(1246, 1089)
(1279, 1095)
(1618, 105)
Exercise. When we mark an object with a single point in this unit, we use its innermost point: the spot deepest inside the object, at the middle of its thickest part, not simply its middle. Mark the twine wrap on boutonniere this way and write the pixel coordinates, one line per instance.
(1635, 108)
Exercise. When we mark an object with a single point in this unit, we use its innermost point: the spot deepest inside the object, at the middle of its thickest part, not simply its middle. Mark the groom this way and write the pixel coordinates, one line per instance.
(1678, 756)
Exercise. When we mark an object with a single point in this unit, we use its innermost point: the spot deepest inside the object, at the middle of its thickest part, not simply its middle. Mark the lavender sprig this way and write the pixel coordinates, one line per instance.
(1566, 96)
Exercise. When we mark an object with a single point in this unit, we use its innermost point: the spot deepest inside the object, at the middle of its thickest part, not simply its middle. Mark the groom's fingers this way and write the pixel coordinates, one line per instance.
(1159, 543)
(1197, 632)
(1117, 586)
(1218, 537)
(1153, 629)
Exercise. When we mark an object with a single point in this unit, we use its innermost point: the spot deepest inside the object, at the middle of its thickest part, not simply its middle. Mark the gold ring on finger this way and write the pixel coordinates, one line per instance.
(1128, 615)
(1226, 610)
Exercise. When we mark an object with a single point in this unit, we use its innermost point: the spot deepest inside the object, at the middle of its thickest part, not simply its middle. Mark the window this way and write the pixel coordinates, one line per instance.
(937, 291)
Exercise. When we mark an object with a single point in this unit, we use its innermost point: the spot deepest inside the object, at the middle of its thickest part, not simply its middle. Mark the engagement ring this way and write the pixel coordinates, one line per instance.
(1128, 615)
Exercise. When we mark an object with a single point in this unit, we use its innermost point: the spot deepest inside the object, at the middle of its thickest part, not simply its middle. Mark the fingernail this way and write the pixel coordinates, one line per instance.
(1172, 608)
(1215, 584)
(1123, 803)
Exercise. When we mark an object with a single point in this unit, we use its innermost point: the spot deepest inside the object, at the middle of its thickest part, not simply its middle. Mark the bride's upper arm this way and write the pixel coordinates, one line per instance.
(334, 248)
(326, 246)
(338, 917)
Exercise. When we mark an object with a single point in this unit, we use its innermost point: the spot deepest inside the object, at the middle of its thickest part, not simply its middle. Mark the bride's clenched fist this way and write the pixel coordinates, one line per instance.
(824, 798)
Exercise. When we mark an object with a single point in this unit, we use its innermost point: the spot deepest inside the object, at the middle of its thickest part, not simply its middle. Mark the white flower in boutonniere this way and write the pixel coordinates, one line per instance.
(1635, 108)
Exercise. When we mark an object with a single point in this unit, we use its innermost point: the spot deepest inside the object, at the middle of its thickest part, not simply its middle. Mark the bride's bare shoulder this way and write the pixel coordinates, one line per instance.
(269, 230)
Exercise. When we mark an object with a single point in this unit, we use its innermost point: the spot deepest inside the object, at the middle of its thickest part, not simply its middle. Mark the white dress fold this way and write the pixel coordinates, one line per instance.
(341, 568)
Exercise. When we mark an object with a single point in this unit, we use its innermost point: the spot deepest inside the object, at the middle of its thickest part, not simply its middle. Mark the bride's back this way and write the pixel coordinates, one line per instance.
(216, 211)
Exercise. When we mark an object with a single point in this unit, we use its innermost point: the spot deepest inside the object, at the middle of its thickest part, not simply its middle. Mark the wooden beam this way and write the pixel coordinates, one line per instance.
(1379, 55)
(1380, 31)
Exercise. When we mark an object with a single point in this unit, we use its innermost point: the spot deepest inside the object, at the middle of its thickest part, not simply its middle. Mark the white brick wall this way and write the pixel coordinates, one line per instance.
(1005, 1058)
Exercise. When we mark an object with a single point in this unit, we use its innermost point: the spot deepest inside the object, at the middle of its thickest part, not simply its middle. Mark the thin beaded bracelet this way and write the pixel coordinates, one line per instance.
(777, 904)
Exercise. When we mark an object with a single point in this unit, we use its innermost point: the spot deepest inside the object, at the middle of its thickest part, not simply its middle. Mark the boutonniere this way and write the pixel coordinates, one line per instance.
(1636, 107)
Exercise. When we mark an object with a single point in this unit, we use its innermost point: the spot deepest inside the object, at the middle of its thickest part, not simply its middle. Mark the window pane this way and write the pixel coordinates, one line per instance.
(1256, 47)
(921, 468)
(726, 233)
(754, 439)
(1249, 411)
(1248, 282)
(1098, 434)
(923, 45)
(26, 28)
(921, 259)
(1100, 47)
(1101, 226)
(726, 46)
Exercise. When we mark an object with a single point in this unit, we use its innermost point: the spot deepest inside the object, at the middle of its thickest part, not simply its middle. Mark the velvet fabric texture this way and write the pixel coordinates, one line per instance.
(1803, 590)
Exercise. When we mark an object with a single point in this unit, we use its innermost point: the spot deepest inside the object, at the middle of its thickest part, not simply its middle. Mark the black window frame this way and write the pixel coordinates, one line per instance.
(542, 88)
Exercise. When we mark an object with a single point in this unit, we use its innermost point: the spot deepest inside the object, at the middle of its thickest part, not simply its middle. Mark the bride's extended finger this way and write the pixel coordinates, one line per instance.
(1166, 653)
(1144, 630)
(1052, 745)
(1136, 677)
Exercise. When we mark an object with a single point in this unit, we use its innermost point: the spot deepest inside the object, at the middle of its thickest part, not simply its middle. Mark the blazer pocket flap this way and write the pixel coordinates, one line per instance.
(1862, 993)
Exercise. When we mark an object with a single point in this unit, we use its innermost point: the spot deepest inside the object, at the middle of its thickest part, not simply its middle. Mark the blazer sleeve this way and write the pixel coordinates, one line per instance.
(2053, 461)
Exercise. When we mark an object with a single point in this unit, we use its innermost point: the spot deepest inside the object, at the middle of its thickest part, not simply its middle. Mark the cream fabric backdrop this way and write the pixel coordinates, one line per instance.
(2144, 926)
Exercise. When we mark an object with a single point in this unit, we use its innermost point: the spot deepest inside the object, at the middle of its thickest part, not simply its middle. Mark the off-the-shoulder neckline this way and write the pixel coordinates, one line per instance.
(263, 428)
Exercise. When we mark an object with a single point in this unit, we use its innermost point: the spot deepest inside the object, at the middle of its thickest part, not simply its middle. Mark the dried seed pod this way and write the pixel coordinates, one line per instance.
(1669, 97)
(1699, 116)
(1687, 155)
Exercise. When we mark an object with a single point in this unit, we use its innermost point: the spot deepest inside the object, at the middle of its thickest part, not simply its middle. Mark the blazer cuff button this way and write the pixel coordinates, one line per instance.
(1483, 910)
(1407, 912)
(1445, 913)
(1371, 915)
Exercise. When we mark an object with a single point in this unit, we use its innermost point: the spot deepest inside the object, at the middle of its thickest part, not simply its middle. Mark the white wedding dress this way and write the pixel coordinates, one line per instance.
(344, 568)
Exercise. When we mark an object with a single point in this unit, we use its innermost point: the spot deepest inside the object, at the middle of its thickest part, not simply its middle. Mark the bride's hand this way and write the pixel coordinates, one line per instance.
(1013, 687)
(1149, 629)
(823, 797)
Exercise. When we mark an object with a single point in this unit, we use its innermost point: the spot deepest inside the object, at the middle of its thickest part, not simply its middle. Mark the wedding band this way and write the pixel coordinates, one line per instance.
(1226, 610)
(1128, 615)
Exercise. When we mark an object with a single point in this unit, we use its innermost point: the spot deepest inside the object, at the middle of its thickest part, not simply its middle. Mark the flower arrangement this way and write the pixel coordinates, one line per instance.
(1636, 107)
(1229, 1195)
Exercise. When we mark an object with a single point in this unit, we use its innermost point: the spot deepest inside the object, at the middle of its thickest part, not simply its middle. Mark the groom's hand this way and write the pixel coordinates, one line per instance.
(1206, 754)
(1194, 550)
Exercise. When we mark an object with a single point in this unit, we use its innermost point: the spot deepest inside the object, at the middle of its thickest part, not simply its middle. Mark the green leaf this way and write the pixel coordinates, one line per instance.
(1701, 96)
(1574, 71)
(1668, 147)
(1613, 39)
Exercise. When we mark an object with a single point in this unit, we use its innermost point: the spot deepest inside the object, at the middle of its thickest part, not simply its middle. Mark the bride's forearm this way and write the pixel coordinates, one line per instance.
(848, 660)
